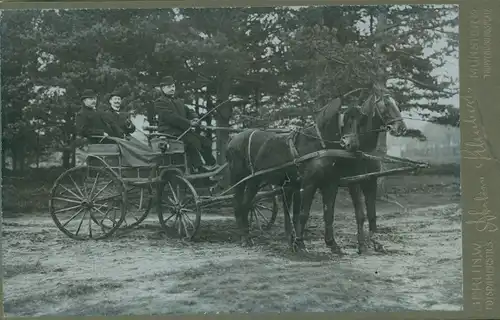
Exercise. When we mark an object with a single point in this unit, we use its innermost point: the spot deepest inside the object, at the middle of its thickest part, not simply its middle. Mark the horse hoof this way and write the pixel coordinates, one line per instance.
(379, 248)
(246, 243)
(337, 251)
(362, 249)
(298, 246)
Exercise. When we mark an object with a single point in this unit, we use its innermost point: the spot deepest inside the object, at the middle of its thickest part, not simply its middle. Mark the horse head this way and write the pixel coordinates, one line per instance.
(350, 128)
(383, 112)
(390, 115)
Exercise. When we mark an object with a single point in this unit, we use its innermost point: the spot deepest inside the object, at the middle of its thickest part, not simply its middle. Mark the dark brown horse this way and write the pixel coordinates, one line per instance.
(254, 150)
(380, 113)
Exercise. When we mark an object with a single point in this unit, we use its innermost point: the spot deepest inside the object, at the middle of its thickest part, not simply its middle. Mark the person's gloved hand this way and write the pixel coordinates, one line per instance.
(195, 122)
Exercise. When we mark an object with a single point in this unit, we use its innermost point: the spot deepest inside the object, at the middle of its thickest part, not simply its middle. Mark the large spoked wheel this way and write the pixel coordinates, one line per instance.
(263, 213)
(178, 207)
(88, 202)
(139, 203)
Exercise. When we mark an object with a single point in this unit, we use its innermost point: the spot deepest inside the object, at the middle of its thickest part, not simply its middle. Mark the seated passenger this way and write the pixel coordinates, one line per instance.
(175, 118)
(121, 119)
(91, 123)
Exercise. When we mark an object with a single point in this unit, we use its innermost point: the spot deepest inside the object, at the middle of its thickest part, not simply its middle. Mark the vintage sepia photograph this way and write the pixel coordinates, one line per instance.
(231, 160)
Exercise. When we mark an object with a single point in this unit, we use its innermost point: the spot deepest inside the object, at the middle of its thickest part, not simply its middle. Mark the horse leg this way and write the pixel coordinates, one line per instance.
(369, 188)
(355, 193)
(239, 194)
(249, 196)
(297, 201)
(329, 194)
(301, 215)
(287, 196)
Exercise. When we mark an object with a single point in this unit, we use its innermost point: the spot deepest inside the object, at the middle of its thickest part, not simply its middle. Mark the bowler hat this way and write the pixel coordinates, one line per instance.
(167, 81)
(117, 92)
(88, 94)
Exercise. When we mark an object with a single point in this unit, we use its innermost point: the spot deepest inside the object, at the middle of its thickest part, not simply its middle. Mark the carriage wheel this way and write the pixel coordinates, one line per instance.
(263, 213)
(179, 207)
(88, 202)
(139, 203)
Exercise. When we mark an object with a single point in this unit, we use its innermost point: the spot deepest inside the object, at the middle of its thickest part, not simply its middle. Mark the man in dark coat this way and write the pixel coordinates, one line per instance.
(120, 118)
(92, 122)
(175, 118)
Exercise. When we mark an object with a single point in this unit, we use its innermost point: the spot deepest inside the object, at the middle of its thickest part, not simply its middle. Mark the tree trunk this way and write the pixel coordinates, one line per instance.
(223, 115)
(15, 158)
(66, 158)
(382, 140)
(209, 106)
(4, 157)
(37, 149)
(22, 160)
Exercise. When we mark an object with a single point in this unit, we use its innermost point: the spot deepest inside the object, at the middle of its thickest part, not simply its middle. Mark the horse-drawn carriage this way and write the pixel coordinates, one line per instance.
(107, 193)
(110, 195)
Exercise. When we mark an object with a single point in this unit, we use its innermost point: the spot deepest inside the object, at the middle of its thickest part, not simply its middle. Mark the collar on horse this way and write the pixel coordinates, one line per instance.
(292, 137)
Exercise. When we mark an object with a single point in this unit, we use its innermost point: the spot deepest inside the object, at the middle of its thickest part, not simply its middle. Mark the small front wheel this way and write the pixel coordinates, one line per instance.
(139, 201)
(263, 213)
(178, 207)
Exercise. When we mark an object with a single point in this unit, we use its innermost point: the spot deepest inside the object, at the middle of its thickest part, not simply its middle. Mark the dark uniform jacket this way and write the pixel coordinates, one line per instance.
(94, 123)
(173, 116)
(123, 122)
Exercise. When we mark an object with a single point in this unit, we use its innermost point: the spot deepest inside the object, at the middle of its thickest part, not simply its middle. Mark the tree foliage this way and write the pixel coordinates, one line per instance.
(254, 65)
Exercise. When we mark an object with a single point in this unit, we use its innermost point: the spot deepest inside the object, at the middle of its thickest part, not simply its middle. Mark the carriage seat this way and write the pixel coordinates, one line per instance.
(103, 150)
(167, 145)
(343, 109)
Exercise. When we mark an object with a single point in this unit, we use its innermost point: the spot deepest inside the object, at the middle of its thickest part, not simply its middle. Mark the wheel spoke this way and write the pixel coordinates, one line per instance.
(261, 206)
(178, 193)
(262, 215)
(104, 214)
(141, 199)
(173, 214)
(173, 193)
(257, 220)
(73, 216)
(100, 191)
(108, 198)
(74, 194)
(185, 227)
(94, 185)
(179, 228)
(68, 200)
(188, 201)
(189, 220)
(67, 209)
(90, 225)
(81, 222)
(77, 188)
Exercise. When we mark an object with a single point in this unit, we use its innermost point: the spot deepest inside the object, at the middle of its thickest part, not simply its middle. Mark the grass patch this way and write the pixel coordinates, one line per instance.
(27, 191)
(10, 271)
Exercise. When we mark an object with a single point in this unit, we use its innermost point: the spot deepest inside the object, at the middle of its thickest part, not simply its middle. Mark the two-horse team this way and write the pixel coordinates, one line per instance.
(323, 156)
(258, 157)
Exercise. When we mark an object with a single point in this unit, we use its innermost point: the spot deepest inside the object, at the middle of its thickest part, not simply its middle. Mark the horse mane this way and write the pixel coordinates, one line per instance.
(328, 119)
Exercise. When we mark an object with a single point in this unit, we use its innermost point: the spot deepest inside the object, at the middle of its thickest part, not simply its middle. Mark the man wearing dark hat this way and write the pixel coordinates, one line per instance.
(175, 118)
(92, 122)
(120, 118)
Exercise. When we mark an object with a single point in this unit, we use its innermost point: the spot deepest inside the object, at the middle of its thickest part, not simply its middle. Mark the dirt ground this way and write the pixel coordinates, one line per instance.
(46, 273)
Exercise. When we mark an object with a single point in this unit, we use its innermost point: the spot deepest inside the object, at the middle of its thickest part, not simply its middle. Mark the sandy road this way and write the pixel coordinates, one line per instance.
(144, 273)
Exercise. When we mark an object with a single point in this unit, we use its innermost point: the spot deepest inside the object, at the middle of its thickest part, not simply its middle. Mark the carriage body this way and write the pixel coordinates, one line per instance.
(128, 190)
(109, 155)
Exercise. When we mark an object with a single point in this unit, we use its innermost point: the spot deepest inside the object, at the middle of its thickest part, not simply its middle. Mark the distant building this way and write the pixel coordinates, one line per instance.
(442, 145)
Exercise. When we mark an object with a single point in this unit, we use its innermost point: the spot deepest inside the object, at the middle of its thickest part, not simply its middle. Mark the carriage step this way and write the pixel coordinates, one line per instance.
(139, 180)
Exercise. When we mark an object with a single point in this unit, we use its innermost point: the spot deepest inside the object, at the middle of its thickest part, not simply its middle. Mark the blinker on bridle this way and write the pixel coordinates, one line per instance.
(386, 122)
